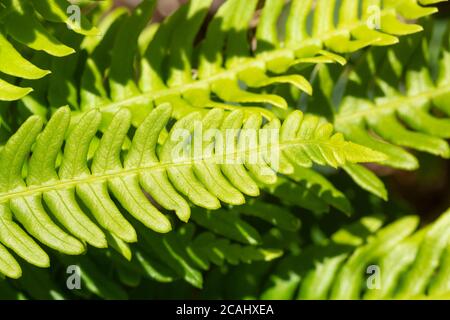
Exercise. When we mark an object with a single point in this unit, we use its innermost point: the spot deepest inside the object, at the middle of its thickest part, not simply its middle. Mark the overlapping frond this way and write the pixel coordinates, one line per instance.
(397, 262)
(413, 108)
(185, 254)
(390, 100)
(174, 62)
(22, 23)
(135, 66)
(182, 255)
(361, 261)
(64, 185)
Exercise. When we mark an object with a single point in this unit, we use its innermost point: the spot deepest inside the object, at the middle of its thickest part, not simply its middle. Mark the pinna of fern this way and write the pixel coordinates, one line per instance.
(203, 181)
(149, 65)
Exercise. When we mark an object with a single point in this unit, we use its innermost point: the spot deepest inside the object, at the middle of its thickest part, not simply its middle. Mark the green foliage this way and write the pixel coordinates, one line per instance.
(21, 22)
(410, 263)
(389, 99)
(132, 128)
(167, 175)
(410, 107)
(177, 68)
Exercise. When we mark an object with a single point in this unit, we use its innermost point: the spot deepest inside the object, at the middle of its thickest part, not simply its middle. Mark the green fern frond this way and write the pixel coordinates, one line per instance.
(408, 263)
(167, 173)
(21, 22)
(391, 99)
(416, 117)
(146, 66)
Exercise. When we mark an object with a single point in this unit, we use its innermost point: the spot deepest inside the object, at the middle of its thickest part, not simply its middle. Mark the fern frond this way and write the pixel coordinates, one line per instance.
(223, 69)
(416, 117)
(391, 99)
(171, 176)
(185, 254)
(409, 263)
(21, 22)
